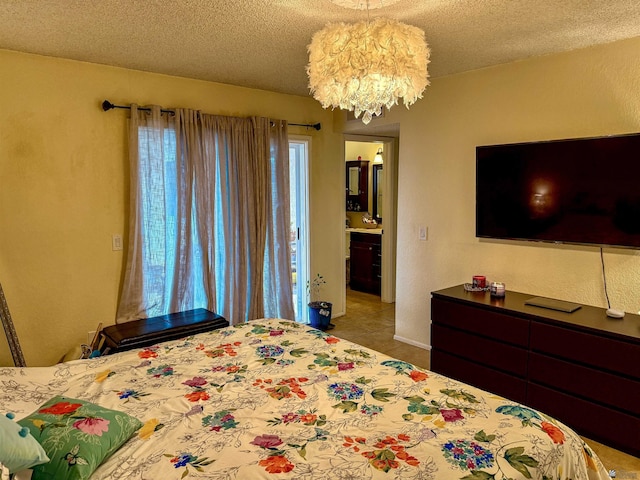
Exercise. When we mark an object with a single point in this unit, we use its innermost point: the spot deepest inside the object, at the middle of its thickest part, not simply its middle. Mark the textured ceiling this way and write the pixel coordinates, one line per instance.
(263, 43)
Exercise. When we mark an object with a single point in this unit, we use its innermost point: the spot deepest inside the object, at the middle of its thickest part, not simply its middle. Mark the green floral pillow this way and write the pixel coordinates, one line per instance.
(77, 436)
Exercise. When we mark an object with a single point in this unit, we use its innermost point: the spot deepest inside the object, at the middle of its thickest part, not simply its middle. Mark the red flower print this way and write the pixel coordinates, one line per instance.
(342, 366)
(554, 432)
(452, 415)
(267, 441)
(289, 417)
(284, 388)
(410, 460)
(146, 353)
(275, 333)
(387, 452)
(385, 441)
(384, 465)
(61, 408)
(349, 443)
(418, 376)
(220, 350)
(276, 464)
(331, 340)
(195, 382)
(308, 418)
(197, 395)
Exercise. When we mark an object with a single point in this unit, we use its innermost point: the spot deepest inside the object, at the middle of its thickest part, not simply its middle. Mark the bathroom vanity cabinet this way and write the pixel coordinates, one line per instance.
(365, 262)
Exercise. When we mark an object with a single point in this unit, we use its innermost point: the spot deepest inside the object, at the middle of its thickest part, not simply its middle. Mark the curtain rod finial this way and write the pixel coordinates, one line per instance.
(107, 105)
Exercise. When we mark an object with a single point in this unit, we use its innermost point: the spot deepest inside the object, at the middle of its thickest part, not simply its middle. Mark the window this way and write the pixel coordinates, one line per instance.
(207, 221)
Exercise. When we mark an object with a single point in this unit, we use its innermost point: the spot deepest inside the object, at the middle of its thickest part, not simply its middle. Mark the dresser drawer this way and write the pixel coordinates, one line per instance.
(606, 425)
(598, 386)
(482, 321)
(480, 350)
(479, 376)
(595, 350)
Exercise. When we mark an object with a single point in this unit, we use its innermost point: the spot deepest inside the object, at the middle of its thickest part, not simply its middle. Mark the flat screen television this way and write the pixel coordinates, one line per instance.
(578, 191)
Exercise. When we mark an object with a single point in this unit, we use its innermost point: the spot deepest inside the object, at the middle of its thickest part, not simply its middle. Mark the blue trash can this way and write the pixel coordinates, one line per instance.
(320, 314)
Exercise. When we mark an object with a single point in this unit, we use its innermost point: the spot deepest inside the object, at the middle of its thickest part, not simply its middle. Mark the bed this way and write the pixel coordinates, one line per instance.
(275, 399)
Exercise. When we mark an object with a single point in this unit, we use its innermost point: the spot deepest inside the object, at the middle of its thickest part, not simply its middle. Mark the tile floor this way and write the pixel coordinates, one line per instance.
(371, 323)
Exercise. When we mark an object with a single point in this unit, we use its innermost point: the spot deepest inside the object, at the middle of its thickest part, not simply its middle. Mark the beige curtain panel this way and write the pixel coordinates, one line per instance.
(209, 216)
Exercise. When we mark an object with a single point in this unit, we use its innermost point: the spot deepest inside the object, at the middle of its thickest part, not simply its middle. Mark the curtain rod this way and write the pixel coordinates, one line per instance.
(107, 105)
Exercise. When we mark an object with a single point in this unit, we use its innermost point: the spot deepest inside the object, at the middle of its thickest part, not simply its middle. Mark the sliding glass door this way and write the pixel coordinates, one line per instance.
(299, 229)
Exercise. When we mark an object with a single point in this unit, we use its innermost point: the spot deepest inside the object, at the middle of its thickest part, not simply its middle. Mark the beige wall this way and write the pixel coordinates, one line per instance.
(366, 150)
(590, 92)
(64, 188)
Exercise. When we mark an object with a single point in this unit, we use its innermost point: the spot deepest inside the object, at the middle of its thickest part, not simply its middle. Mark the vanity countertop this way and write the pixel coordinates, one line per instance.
(373, 231)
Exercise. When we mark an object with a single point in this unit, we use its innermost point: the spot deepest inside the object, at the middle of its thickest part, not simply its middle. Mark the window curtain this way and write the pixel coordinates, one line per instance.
(209, 216)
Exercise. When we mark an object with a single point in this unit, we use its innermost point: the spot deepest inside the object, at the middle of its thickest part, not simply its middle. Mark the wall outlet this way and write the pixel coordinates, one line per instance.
(422, 233)
(116, 242)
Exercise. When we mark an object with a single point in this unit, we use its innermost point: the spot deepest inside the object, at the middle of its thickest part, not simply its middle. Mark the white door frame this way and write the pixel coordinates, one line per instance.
(302, 242)
(389, 218)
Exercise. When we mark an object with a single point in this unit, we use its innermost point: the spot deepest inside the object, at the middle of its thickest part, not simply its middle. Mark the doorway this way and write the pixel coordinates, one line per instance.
(299, 225)
(369, 147)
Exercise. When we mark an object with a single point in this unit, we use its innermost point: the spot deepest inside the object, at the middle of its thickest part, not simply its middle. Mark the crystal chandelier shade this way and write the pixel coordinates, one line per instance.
(367, 65)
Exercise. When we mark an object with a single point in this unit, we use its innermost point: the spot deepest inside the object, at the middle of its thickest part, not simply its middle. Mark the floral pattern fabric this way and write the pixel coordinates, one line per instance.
(77, 436)
(274, 399)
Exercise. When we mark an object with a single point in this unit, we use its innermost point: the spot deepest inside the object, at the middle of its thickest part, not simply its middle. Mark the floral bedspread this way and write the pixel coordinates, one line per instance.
(275, 399)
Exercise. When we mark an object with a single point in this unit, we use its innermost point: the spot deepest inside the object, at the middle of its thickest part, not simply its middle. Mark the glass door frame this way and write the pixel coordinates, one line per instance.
(299, 155)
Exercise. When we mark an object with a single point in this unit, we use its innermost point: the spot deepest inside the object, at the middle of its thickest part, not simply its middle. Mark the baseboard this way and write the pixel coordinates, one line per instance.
(412, 342)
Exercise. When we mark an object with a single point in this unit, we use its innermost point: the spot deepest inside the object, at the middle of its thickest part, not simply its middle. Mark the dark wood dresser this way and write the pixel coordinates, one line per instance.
(582, 368)
(149, 331)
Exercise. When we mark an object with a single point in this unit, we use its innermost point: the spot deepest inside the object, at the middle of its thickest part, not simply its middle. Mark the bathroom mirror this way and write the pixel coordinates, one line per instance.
(354, 177)
(357, 186)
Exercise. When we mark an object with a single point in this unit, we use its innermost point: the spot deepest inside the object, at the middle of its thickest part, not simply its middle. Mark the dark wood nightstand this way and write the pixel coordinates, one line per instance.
(149, 331)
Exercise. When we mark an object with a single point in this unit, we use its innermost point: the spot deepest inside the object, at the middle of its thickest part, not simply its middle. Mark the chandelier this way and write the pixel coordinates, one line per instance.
(366, 65)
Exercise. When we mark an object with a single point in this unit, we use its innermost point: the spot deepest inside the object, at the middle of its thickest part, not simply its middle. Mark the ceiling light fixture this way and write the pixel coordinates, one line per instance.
(366, 65)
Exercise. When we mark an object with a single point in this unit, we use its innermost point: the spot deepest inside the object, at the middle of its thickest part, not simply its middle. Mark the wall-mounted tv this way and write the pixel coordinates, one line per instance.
(580, 191)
